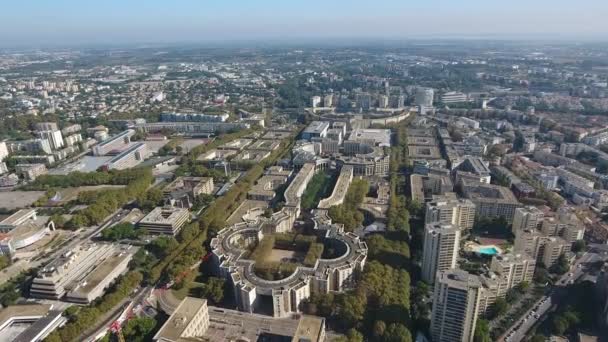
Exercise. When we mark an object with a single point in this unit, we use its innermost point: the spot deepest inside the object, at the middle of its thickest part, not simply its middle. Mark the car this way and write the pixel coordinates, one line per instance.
(569, 274)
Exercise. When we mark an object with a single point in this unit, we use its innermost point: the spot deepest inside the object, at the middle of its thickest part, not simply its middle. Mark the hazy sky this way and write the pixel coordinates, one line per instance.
(106, 21)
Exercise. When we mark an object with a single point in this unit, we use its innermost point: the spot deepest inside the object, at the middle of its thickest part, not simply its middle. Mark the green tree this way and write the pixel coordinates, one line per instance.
(578, 246)
(214, 289)
(5, 261)
(523, 286)
(139, 329)
(482, 331)
(500, 307)
(354, 335)
(397, 333)
(58, 220)
(538, 338)
(541, 275)
(379, 329)
(559, 325)
(562, 265)
(350, 309)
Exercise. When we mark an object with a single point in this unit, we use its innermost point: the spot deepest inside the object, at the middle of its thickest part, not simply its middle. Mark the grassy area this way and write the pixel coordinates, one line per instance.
(190, 289)
(320, 186)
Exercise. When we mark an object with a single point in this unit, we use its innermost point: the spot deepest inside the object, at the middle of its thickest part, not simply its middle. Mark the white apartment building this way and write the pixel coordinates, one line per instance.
(448, 209)
(440, 249)
(456, 306)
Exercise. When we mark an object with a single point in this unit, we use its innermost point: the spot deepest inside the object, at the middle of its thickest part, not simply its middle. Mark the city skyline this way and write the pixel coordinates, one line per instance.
(70, 22)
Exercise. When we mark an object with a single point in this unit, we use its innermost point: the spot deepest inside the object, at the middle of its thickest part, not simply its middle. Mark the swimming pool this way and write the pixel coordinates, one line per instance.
(488, 250)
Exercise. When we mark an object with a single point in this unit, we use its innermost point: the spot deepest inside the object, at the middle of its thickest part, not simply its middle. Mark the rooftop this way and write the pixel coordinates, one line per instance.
(166, 215)
(309, 329)
(122, 135)
(174, 327)
(380, 137)
(129, 150)
(317, 127)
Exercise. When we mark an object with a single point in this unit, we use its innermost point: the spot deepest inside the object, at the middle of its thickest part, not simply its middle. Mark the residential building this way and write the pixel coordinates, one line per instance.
(527, 218)
(454, 97)
(440, 249)
(448, 209)
(54, 137)
(514, 268)
(3, 150)
(476, 166)
(491, 201)
(423, 188)
(193, 117)
(30, 171)
(456, 306)
(545, 249)
(424, 97)
(328, 101)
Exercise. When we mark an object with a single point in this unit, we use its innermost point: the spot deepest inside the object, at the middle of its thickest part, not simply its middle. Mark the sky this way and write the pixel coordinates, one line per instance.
(68, 22)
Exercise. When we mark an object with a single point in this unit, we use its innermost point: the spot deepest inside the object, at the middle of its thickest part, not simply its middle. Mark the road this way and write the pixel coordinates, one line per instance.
(106, 321)
(520, 328)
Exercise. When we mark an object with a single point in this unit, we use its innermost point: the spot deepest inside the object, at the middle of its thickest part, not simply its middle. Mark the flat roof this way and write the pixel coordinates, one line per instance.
(291, 193)
(316, 127)
(164, 215)
(128, 151)
(26, 310)
(101, 271)
(424, 152)
(39, 326)
(381, 137)
(174, 327)
(18, 217)
(231, 325)
(309, 328)
(116, 137)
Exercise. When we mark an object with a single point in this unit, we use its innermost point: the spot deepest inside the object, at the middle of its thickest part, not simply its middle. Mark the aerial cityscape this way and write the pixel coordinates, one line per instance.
(301, 186)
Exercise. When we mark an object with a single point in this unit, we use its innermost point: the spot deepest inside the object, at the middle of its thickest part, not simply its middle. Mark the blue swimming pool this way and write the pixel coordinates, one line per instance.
(488, 251)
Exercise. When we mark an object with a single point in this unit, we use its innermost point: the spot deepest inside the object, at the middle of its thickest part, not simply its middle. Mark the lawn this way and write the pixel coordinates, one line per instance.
(320, 186)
